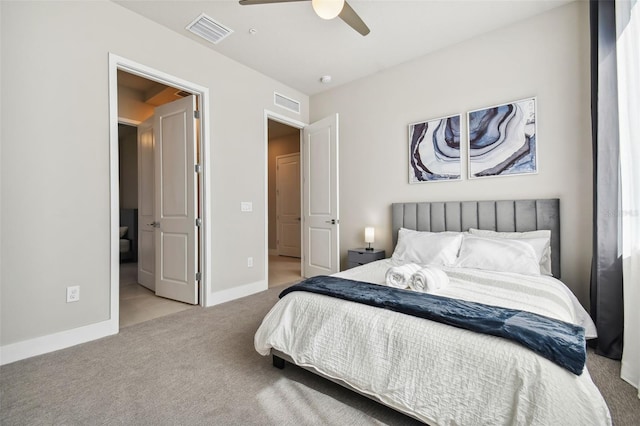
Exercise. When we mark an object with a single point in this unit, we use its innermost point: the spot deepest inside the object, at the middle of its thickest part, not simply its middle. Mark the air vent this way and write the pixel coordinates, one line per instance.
(209, 29)
(286, 103)
(182, 93)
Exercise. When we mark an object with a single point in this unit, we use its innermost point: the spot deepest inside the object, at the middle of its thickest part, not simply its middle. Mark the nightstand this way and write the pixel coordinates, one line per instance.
(361, 256)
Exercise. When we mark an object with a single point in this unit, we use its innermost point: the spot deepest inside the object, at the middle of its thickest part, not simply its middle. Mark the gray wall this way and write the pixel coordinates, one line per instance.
(131, 105)
(128, 166)
(546, 56)
(55, 214)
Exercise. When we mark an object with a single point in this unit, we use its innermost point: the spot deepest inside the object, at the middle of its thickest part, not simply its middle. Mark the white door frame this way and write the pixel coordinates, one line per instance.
(119, 63)
(270, 115)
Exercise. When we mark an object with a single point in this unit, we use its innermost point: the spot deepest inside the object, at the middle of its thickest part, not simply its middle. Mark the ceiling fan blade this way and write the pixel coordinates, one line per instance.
(250, 2)
(347, 14)
(350, 16)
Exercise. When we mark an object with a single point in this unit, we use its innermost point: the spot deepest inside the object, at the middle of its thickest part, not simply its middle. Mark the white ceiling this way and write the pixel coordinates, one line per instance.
(296, 47)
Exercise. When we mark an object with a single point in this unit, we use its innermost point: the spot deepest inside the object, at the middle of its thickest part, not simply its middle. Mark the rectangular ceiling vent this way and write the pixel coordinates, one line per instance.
(210, 30)
(286, 103)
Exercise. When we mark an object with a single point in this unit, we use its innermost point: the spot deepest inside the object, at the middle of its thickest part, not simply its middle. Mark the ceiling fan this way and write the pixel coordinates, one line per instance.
(326, 9)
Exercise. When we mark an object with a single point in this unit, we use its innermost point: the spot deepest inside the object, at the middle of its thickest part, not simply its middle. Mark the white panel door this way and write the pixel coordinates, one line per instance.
(175, 202)
(288, 204)
(320, 229)
(146, 218)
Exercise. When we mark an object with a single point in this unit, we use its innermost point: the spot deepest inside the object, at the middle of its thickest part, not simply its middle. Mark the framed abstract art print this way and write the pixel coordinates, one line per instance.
(502, 140)
(434, 150)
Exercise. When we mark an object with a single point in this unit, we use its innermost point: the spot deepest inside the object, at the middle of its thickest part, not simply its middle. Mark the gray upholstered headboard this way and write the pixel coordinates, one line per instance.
(502, 216)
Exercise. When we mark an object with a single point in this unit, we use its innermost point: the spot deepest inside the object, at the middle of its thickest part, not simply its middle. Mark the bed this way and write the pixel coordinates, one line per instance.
(432, 371)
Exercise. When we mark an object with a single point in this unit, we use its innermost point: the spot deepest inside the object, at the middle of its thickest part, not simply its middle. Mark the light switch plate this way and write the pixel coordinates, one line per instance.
(246, 206)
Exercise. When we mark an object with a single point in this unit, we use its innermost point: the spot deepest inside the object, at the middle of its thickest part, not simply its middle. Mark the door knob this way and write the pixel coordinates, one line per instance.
(332, 221)
(154, 224)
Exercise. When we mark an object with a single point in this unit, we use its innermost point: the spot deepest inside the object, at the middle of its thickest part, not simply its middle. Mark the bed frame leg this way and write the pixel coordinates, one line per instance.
(278, 362)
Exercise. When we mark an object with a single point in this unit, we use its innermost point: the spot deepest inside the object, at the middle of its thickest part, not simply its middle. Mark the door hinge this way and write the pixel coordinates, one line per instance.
(196, 114)
(198, 168)
(198, 222)
(198, 276)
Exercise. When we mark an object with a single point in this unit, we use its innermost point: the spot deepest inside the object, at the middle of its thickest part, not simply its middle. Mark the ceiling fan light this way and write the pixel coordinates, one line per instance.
(327, 9)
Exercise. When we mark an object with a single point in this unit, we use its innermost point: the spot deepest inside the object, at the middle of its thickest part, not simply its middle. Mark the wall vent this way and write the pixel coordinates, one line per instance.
(286, 103)
(207, 28)
(183, 93)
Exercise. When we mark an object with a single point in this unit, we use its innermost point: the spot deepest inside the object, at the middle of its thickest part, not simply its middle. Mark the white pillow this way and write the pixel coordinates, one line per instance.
(544, 252)
(123, 231)
(427, 248)
(498, 254)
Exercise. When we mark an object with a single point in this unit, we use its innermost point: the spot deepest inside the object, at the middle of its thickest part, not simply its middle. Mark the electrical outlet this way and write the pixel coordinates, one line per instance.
(73, 293)
(250, 262)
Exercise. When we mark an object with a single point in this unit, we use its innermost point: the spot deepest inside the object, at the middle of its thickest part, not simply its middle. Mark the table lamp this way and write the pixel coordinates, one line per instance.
(369, 236)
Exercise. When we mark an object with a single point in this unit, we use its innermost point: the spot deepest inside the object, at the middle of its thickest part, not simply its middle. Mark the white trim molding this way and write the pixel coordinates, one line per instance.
(52, 342)
(233, 293)
(129, 122)
(119, 63)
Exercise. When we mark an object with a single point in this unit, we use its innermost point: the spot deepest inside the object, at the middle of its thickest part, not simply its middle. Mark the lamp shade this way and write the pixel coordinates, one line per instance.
(369, 234)
(327, 9)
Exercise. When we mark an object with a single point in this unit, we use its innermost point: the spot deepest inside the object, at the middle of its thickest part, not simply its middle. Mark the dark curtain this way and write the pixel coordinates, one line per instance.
(606, 270)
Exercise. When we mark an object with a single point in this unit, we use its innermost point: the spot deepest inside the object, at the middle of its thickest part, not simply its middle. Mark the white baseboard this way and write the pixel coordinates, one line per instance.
(230, 294)
(41, 345)
(629, 374)
(53, 342)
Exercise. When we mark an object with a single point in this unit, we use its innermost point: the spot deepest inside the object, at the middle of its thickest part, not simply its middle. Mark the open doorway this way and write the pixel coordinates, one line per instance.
(284, 204)
(138, 100)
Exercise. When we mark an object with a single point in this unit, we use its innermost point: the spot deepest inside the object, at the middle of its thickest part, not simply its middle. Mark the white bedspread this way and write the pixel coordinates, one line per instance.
(439, 374)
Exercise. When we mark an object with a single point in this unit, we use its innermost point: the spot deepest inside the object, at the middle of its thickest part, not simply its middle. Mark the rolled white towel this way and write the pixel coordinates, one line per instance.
(398, 276)
(428, 279)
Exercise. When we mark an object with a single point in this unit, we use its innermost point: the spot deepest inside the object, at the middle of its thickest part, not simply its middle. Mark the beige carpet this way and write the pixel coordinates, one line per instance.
(198, 367)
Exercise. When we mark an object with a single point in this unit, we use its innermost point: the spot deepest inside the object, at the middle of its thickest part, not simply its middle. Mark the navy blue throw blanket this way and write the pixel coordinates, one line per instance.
(558, 341)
